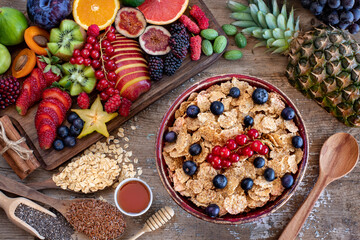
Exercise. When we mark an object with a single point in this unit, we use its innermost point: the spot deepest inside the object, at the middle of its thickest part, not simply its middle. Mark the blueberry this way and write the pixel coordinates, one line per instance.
(195, 149)
(269, 174)
(260, 96)
(288, 113)
(192, 111)
(63, 131)
(297, 142)
(247, 184)
(347, 4)
(334, 3)
(220, 181)
(72, 116)
(356, 13)
(259, 162)
(306, 3)
(78, 123)
(70, 141)
(353, 28)
(212, 210)
(248, 121)
(333, 18)
(287, 180)
(189, 167)
(217, 108)
(74, 131)
(234, 92)
(346, 17)
(170, 137)
(58, 145)
(316, 8)
(343, 25)
(322, 2)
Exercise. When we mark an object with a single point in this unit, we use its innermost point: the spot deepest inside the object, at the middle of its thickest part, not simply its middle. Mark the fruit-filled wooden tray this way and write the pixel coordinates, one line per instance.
(51, 158)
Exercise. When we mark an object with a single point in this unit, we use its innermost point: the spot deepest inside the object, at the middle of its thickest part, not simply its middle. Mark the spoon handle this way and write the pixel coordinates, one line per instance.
(4, 201)
(296, 223)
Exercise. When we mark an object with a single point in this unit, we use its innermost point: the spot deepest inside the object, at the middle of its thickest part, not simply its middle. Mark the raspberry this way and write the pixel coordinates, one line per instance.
(83, 100)
(200, 17)
(189, 24)
(93, 31)
(195, 47)
(156, 68)
(9, 91)
(113, 104)
(124, 109)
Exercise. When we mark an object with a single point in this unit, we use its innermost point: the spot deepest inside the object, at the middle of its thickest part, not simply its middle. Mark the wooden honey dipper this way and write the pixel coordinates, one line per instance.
(154, 222)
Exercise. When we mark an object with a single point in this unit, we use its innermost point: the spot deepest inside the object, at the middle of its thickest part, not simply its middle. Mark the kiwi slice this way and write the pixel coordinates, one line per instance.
(65, 39)
(78, 78)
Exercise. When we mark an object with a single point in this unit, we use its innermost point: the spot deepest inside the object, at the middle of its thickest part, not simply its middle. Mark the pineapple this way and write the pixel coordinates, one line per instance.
(324, 63)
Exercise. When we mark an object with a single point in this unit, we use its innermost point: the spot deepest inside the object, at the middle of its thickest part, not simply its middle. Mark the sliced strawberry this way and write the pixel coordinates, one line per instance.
(35, 91)
(56, 105)
(23, 103)
(38, 74)
(60, 95)
(46, 133)
(48, 113)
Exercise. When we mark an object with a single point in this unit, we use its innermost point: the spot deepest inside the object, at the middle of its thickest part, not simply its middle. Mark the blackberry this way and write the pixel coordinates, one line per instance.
(156, 68)
(179, 44)
(177, 27)
(171, 64)
(9, 91)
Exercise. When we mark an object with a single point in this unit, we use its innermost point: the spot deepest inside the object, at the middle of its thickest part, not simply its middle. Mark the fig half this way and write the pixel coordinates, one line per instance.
(130, 22)
(155, 40)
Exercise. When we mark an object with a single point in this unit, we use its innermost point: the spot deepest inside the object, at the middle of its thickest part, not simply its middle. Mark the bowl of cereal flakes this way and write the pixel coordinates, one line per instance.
(231, 149)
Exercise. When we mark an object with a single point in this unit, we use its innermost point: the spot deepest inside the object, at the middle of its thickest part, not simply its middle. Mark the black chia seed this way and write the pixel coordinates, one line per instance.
(51, 228)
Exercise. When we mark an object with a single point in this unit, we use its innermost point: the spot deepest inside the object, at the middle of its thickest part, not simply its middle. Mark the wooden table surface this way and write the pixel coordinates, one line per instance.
(336, 215)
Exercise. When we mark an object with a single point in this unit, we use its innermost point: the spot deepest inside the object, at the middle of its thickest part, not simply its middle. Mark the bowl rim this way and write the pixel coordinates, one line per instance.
(257, 213)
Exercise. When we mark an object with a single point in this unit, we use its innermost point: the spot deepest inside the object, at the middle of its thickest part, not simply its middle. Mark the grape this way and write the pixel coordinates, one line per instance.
(316, 8)
(333, 18)
(322, 2)
(306, 3)
(353, 28)
(334, 3)
(347, 4)
(346, 17)
(343, 25)
(356, 13)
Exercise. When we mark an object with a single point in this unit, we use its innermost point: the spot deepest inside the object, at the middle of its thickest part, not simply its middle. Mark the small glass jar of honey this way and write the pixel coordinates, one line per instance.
(133, 197)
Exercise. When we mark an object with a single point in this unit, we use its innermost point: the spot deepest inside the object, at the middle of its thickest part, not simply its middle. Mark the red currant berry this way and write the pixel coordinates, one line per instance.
(109, 50)
(111, 76)
(224, 152)
(105, 58)
(85, 53)
(105, 43)
(104, 96)
(225, 164)
(216, 150)
(88, 46)
(264, 150)
(73, 60)
(95, 54)
(91, 40)
(241, 140)
(79, 60)
(96, 64)
(99, 74)
(216, 162)
(117, 91)
(247, 151)
(111, 36)
(256, 146)
(102, 85)
(76, 53)
(110, 29)
(96, 46)
(87, 61)
(210, 158)
(231, 144)
(253, 133)
(112, 84)
(110, 65)
(239, 152)
(234, 157)
(110, 91)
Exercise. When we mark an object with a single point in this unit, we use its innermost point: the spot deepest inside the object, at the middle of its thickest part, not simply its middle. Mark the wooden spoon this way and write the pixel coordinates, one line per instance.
(338, 157)
(10, 204)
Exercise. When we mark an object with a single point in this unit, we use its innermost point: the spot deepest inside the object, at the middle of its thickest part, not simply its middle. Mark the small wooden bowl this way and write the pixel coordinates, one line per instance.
(184, 202)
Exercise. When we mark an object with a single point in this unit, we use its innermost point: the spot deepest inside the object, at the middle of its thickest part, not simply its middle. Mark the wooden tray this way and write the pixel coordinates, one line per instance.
(51, 159)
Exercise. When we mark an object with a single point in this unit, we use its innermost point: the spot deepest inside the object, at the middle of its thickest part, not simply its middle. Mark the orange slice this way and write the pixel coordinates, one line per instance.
(99, 12)
(163, 12)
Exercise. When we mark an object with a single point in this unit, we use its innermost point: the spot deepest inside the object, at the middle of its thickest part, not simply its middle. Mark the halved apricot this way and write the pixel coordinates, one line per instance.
(24, 63)
(37, 38)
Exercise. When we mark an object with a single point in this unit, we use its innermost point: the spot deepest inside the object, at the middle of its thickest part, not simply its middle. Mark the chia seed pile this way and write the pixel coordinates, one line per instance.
(49, 227)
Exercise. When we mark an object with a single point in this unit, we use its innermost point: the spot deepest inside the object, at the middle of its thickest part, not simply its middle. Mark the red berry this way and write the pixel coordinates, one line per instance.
(112, 84)
(96, 46)
(256, 146)
(93, 30)
(111, 36)
(99, 74)
(91, 40)
(241, 139)
(225, 164)
(85, 53)
(216, 163)
(210, 158)
(216, 150)
(96, 64)
(125, 106)
(76, 53)
(113, 104)
(247, 151)
(239, 152)
(110, 29)
(109, 50)
(87, 61)
(88, 46)
(83, 100)
(117, 91)
(110, 65)
(111, 76)
(253, 133)
(231, 144)
(105, 58)
(95, 54)
(224, 152)
(102, 85)
(264, 150)
(73, 60)
(104, 96)
(110, 91)
(79, 60)
(105, 43)
(234, 157)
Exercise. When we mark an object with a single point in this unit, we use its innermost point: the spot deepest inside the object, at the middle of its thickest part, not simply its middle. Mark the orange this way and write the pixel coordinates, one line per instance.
(99, 12)
(163, 12)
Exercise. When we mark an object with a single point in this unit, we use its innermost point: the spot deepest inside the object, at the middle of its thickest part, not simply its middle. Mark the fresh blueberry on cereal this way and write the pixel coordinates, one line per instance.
(212, 210)
(248, 121)
(259, 162)
(297, 142)
(287, 180)
(269, 174)
(217, 108)
(288, 113)
(189, 167)
(192, 111)
(170, 137)
(220, 181)
(260, 96)
(247, 184)
(195, 149)
(234, 92)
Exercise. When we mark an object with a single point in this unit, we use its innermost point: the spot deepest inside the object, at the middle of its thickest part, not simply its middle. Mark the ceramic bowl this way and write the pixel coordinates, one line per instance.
(184, 202)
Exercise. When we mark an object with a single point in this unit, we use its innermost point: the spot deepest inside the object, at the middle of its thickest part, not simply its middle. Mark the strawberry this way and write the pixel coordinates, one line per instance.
(124, 109)
(39, 76)
(22, 102)
(46, 133)
(83, 100)
(56, 105)
(48, 113)
(50, 67)
(60, 95)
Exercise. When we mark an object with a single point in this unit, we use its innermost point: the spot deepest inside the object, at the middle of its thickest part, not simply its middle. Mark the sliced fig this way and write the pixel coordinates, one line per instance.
(130, 22)
(155, 40)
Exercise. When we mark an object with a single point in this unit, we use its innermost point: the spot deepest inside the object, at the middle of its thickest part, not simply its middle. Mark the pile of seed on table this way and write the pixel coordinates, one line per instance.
(97, 219)
(49, 227)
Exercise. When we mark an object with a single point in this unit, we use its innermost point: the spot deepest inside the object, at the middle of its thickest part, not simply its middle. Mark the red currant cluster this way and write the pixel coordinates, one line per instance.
(242, 145)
